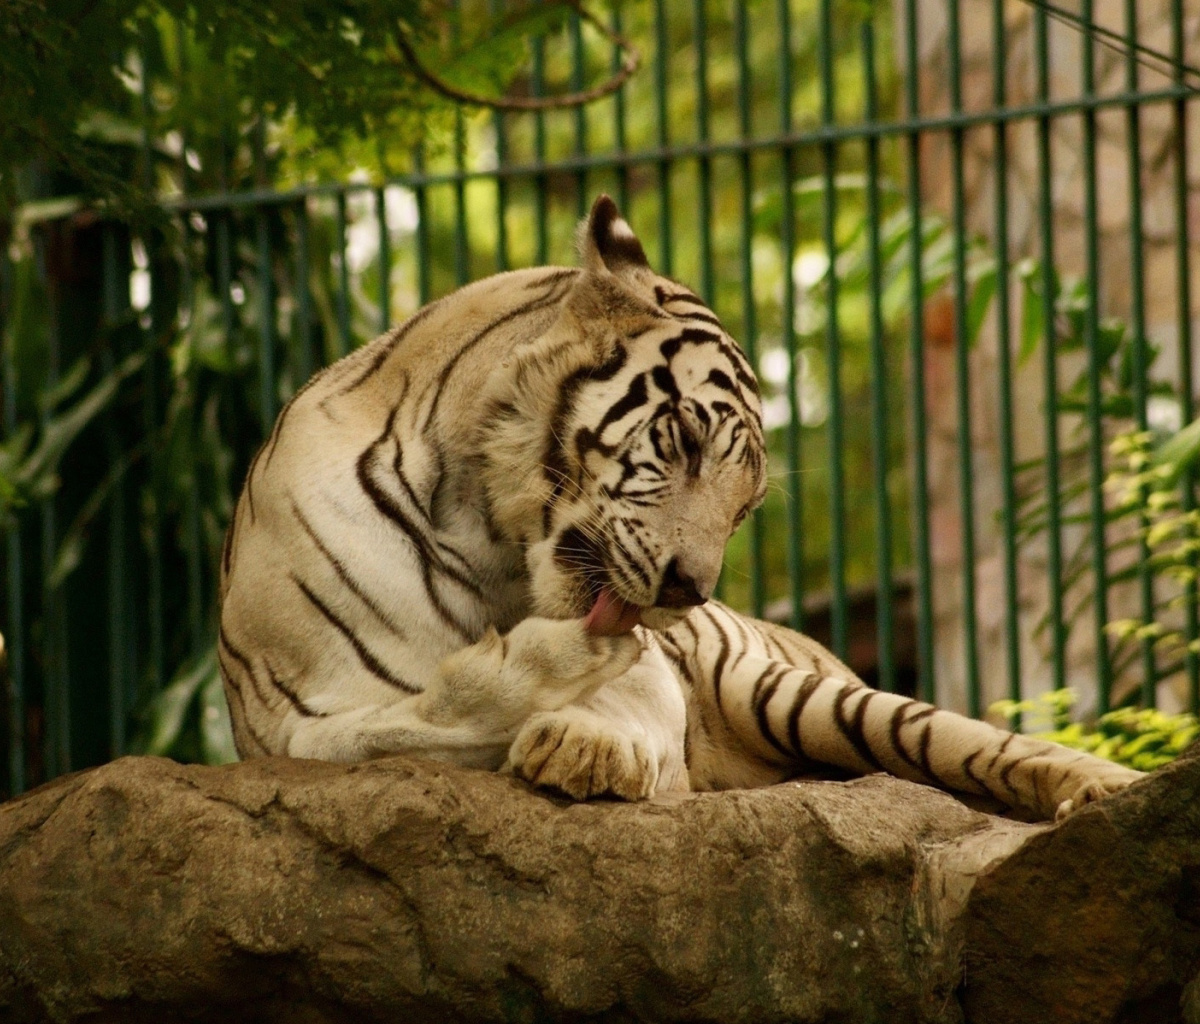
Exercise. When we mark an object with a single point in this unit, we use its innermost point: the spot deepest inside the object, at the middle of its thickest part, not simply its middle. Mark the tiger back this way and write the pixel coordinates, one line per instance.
(492, 535)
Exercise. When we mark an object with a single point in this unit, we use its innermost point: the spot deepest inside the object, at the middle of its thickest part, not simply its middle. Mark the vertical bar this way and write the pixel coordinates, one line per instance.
(462, 252)
(966, 472)
(57, 699)
(116, 301)
(1137, 316)
(663, 165)
(927, 679)
(343, 295)
(225, 272)
(385, 262)
(1183, 290)
(879, 437)
(192, 514)
(787, 241)
(15, 575)
(539, 143)
(758, 592)
(498, 127)
(703, 162)
(837, 510)
(1049, 286)
(422, 200)
(150, 426)
(619, 117)
(303, 342)
(579, 114)
(1092, 338)
(266, 323)
(1012, 645)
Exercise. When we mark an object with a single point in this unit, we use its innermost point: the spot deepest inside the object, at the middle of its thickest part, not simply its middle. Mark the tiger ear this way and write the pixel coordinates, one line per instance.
(606, 241)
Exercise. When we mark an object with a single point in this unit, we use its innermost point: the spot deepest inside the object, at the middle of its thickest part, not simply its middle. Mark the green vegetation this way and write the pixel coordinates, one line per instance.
(1140, 738)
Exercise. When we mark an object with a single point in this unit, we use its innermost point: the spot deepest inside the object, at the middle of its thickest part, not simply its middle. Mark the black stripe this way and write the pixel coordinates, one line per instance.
(763, 692)
(342, 572)
(369, 661)
(853, 731)
(1006, 771)
(983, 786)
(900, 719)
(549, 297)
(238, 717)
(244, 662)
(293, 697)
(803, 696)
(387, 345)
(719, 667)
(426, 550)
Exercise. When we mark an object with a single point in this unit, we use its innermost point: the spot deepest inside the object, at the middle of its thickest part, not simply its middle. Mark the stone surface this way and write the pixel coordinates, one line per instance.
(404, 890)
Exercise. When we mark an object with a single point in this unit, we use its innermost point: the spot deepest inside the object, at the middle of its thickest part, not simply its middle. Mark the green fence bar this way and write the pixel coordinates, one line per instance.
(966, 468)
(662, 123)
(619, 136)
(1137, 322)
(343, 341)
(1049, 354)
(14, 579)
(879, 433)
(385, 262)
(540, 182)
(1008, 508)
(833, 345)
(223, 227)
(579, 116)
(422, 201)
(462, 245)
(302, 342)
(787, 244)
(741, 29)
(115, 303)
(703, 160)
(1092, 335)
(926, 676)
(1183, 290)
(55, 674)
(266, 324)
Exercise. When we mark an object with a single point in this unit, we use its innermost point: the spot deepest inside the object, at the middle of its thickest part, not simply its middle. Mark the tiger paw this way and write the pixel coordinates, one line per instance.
(563, 661)
(581, 754)
(1111, 780)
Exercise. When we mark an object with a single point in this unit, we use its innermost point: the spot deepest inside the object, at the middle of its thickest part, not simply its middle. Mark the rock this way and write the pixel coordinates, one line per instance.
(1098, 919)
(404, 890)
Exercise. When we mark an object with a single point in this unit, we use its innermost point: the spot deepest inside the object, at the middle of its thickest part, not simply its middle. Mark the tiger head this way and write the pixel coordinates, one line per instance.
(626, 442)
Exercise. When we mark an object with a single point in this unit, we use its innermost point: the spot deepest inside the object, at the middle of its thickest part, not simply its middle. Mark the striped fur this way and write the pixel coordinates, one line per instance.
(422, 544)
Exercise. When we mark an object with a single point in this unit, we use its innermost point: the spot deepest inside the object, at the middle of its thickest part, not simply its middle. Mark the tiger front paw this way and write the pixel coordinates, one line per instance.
(1112, 779)
(564, 662)
(581, 754)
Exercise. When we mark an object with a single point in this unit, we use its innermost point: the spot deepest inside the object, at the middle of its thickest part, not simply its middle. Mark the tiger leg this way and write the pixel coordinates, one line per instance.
(782, 713)
(472, 708)
(626, 740)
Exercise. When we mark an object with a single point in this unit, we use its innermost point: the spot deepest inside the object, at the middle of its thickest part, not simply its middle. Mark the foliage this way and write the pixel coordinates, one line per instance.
(1141, 738)
(84, 84)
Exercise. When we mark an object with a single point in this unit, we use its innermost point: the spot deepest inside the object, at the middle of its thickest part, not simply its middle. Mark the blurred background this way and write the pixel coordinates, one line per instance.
(957, 238)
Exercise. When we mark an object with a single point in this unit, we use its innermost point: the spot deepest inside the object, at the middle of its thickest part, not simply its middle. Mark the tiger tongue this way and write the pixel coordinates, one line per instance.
(612, 616)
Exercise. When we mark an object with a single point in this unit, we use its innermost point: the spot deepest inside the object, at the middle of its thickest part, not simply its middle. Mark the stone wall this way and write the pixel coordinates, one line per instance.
(1154, 190)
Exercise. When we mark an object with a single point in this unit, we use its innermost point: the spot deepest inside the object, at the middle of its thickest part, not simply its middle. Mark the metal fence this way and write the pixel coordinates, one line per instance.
(813, 169)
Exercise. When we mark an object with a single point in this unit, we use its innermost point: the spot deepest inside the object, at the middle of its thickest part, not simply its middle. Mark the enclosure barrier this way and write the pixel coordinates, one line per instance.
(782, 160)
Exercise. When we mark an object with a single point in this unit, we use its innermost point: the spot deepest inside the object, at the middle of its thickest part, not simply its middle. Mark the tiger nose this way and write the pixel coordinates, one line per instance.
(679, 590)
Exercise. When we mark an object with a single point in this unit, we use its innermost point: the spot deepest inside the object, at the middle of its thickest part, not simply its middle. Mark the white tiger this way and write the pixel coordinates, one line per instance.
(491, 536)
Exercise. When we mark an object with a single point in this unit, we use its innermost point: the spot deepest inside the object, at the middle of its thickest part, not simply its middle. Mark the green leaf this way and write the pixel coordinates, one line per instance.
(1179, 452)
(169, 709)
